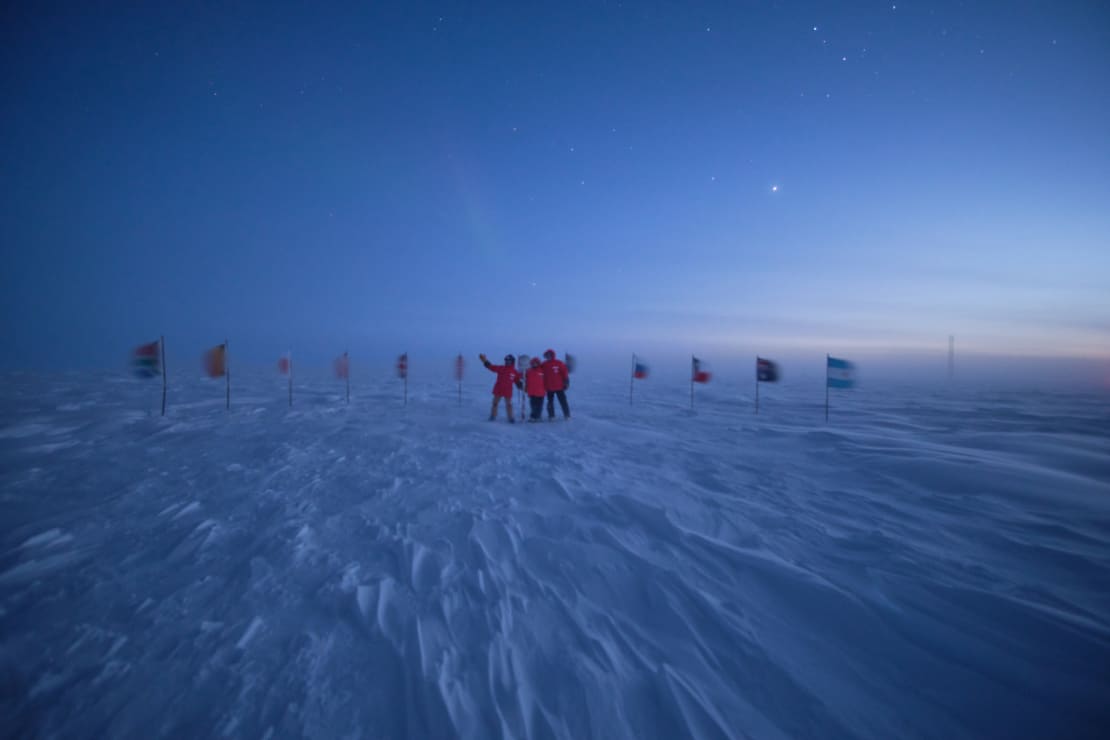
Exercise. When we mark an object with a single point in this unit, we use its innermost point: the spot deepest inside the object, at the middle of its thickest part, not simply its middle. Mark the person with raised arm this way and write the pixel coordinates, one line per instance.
(507, 377)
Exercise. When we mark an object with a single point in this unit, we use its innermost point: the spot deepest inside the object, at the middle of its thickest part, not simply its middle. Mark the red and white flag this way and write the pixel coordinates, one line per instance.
(699, 375)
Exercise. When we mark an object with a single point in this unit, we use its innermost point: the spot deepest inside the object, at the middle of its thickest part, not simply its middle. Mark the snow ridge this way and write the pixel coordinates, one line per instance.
(647, 572)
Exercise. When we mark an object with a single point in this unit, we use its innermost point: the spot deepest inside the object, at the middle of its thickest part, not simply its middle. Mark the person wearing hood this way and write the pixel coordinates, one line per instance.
(507, 377)
(535, 387)
(556, 380)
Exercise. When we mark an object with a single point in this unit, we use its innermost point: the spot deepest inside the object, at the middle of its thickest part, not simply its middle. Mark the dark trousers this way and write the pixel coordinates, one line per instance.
(537, 406)
(562, 402)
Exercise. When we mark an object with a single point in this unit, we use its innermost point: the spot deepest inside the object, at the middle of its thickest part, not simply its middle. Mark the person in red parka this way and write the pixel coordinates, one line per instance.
(535, 388)
(557, 381)
(507, 377)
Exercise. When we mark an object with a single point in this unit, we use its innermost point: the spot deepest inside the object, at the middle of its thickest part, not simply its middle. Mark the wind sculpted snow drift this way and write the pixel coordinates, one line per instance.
(919, 567)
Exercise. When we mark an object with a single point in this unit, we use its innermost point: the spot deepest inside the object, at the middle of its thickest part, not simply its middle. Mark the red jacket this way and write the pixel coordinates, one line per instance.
(533, 381)
(555, 374)
(507, 377)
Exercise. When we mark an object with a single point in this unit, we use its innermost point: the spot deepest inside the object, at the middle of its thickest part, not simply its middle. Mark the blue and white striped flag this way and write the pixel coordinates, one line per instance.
(840, 373)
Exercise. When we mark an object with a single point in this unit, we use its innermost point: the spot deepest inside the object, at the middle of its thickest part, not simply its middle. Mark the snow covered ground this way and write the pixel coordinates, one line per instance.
(926, 565)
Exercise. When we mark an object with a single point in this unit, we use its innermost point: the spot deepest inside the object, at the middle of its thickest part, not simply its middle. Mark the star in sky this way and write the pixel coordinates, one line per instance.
(511, 190)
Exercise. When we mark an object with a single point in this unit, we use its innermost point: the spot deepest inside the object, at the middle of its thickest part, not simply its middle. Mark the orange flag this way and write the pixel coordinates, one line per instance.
(215, 361)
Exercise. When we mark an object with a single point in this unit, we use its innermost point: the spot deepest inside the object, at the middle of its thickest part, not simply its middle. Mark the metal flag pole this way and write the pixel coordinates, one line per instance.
(347, 373)
(290, 379)
(632, 379)
(691, 381)
(826, 387)
(520, 369)
(406, 379)
(951, 357)
(162, 349)
(227, 373)
(757, 384)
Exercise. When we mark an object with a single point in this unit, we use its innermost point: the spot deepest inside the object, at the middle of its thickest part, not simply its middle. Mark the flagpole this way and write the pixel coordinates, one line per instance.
(632, 379)
(826, 387)
(691, 381)
(458, 374)
(521, 391)
(951, 357)
(347, 373)
(757, 384)
(227, 372)
(290, 380)
(162, 349)
(406, 379)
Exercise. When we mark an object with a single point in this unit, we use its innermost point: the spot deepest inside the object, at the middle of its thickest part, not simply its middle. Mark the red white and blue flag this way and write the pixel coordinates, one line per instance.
(766, 371)
(403, 366)
(639, 370)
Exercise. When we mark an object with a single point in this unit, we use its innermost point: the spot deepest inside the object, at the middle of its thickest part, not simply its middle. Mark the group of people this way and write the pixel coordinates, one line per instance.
(549, 378)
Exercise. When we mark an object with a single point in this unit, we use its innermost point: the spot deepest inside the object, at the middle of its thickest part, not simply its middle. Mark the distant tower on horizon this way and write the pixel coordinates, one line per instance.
(951, 356)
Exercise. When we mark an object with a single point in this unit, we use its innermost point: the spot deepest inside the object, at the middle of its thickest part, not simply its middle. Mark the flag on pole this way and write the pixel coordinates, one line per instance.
(698, 375)
(342, 366)
(840, 373)
(145, 362)
(460, 365)
(403, 373)
(285, 367)
(639, 370)
(522, 366)
(571, 362)
(215, 361)
(766, 371)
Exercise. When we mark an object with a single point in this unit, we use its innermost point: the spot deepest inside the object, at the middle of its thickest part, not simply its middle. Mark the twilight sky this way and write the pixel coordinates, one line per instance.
(715, 177)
